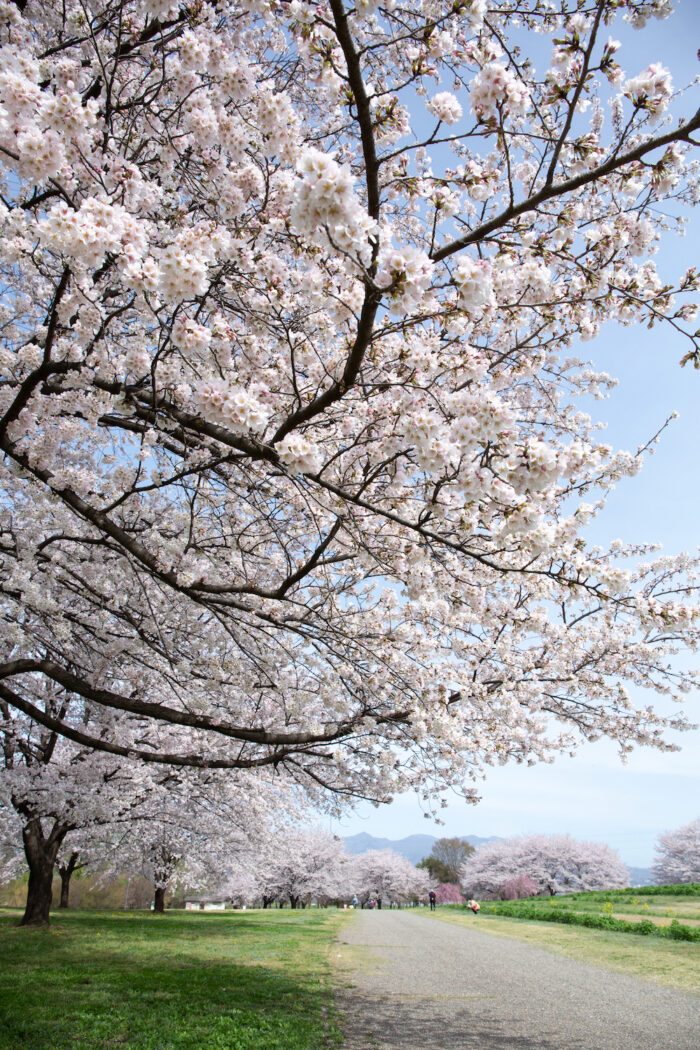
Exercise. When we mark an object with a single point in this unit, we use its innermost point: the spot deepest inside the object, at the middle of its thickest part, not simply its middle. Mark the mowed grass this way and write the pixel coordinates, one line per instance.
(675, 964)
(257, 980)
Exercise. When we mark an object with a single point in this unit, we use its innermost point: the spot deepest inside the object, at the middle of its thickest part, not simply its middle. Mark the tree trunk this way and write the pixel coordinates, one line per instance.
(293, 901)
(65, 886)
(159, 900)
(41, 851)
(65, 871)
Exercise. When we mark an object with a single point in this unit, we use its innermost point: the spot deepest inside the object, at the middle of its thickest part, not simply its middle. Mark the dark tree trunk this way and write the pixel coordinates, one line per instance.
(65, 871)
(293, 901)
(159, 900)
(41, 851)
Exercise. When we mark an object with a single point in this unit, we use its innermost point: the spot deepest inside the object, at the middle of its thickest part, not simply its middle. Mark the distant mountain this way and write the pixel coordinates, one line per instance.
(640, 876)
(413, 847)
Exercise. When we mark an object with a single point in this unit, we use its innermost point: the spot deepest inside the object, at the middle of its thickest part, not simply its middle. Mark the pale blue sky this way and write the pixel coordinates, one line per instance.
(593, 796)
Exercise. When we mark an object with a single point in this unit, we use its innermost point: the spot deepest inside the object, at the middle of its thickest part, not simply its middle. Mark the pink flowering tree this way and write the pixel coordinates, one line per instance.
(549, 864)
(200, 831)
(65, 807)
(299, 865)
(678, 855)
(448, 893)
(386, 876)
(293, 461)
(517, 888)
(57, 800)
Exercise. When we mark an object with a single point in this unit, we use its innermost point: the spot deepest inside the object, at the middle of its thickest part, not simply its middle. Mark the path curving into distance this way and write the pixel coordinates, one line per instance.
(428, 985)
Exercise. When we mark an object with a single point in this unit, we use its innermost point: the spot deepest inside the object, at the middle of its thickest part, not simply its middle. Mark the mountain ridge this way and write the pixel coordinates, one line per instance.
(413, 847)
(416, 847)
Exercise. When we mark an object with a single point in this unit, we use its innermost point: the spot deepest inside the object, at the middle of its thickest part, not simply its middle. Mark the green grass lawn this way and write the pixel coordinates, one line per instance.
(659, 909)
(652, 906)
(257, 980)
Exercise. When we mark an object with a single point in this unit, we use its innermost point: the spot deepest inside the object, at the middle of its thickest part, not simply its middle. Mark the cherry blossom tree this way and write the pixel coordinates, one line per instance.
(293, 460)
(301, 864)
(54, 795)
(678, 855)
(518, 888)
(551, 864)
(448, 893)
(70, 806)
(199, 831)
(382, 875)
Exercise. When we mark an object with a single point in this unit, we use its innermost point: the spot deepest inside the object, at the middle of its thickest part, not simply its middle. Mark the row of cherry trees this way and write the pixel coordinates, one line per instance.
(294, 467)
(64, 808)
(301, 865)
(530, 865)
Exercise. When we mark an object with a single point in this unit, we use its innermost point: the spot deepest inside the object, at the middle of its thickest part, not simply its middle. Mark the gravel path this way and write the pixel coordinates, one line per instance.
(429, 985)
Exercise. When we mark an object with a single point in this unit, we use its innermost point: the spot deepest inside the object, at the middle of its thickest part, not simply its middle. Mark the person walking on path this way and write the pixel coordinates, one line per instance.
(432, 897)
(474, 905)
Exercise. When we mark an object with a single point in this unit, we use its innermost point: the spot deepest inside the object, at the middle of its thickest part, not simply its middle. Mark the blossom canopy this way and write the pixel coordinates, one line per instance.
(294, 470)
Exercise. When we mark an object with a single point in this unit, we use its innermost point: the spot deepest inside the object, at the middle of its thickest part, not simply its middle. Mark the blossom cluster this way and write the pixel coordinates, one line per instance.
(326, 208)
(299, 454)
(445, 107)
(498, 86)
(473, 278)
(239, 409)
(406, 272)
(650, 90)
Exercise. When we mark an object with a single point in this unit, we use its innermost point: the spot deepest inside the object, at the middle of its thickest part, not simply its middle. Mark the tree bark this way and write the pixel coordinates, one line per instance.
(41, 851)
(159, 900)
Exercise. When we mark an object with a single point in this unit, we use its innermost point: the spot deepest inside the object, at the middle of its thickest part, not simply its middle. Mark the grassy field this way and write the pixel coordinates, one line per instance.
(658, 907)
(257, 980)
(675, 964)
(677, 915)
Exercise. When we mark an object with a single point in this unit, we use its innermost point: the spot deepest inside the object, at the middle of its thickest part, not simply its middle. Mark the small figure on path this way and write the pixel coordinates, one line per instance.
(355, 901)
(432, 898)
(474, 905)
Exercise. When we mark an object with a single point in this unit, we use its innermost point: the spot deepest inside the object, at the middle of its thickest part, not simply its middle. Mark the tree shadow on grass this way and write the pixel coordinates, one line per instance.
(155, 984)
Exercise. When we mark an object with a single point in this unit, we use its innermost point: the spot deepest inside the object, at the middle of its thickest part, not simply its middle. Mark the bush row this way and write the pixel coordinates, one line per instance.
(527, 910)
(683, 889)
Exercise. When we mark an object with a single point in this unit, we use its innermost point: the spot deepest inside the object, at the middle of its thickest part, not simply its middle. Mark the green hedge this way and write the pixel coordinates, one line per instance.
(682, 889)
(544, 913)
